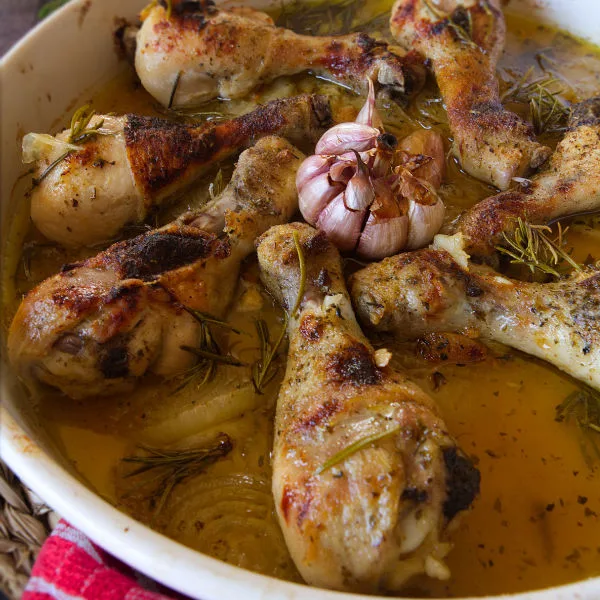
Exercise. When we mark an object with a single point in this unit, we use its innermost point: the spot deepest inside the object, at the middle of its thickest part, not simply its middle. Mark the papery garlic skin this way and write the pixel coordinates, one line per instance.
(342, 226)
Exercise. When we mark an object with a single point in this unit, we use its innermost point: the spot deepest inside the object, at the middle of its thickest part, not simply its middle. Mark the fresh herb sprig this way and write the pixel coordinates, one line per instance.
(80, 125)
(172, 467)
(303, 274)
(49, 7)
(207, 352)
(530, 245)
(462, 28)
(265, 369)
(583, 408)
(547, 111)
(355, 447)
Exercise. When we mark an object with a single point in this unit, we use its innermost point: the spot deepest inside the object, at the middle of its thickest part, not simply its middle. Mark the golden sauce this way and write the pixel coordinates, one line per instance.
(536, 521)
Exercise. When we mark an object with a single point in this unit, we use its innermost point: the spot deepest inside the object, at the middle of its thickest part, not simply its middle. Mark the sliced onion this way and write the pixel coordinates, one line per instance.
(346, 137)
(383, 237)
(425, 220)
(369, 115)
(311, 167)
(341, 225)
(315, 195)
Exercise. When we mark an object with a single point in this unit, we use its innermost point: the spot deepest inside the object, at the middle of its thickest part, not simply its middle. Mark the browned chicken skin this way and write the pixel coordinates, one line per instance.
(569, 184)
(370, 520)
(426, 291)
(463, 39)
(97, 326)
(120, 178)
(202, 52)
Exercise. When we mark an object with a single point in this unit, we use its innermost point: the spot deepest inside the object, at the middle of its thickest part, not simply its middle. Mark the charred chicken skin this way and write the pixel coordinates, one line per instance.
(99, 325)
(569, 184)
(427, 291)
(143, 162)
(365, 476)
(200, 52)
(463, 40)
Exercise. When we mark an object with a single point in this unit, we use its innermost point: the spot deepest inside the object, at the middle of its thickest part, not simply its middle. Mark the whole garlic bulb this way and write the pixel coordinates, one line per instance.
(370, 194)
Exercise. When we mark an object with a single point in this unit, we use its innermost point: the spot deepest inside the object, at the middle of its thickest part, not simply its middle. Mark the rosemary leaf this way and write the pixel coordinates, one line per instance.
(80, 130)
(37, 180)
(225, 359)
(353, 448)
(174, 466)
(530, 245)
(208, 353)
(302, 262)
(264, 370)
(206, 318)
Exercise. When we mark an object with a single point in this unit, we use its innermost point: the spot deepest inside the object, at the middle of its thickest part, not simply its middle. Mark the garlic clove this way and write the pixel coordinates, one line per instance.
(312, 167)
(427, 143)
(315, 195)
(346, 137)
(425, 220)
(341, 226)
(369, 115)
(359, 194)
(383, 237)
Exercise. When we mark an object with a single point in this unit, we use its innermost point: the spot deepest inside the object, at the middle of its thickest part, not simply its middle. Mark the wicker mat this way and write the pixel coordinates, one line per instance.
(25, 522)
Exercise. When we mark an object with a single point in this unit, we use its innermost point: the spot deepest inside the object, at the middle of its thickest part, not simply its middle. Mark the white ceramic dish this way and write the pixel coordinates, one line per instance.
(41, 78)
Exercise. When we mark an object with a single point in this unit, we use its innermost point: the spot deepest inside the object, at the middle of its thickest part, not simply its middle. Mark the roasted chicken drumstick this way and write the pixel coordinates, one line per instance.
(463, 39)
(119, 178)
(427, 291)
(569, 184)
(97, 326)
(365, 476)
(200, 52)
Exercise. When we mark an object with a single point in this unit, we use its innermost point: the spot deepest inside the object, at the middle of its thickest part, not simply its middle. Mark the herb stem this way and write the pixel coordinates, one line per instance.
(348, 451)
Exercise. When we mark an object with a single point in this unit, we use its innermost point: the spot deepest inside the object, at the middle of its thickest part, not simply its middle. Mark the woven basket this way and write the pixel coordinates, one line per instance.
(25, 522)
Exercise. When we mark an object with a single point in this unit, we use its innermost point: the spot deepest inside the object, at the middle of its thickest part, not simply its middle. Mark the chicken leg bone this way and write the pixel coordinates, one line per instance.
(427, 291)
(99, 325)
(463, 39)
(203, 52)
(365, 476)
(120, 178)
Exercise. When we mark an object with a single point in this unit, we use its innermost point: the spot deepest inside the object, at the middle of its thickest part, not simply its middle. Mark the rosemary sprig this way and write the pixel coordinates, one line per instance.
(583, 408)
(353, 448)
(80, 129)
(217, 186)
(303, 274)
(463, 28)
(547, 112)
(530, 245)
(174, 466)
(207, 352)
(264, 369)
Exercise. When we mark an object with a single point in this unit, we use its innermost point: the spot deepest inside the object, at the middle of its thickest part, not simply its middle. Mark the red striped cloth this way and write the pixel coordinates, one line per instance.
(70, 567)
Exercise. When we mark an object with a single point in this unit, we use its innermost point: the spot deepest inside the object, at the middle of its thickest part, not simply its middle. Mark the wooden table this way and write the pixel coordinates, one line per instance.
(17, 17)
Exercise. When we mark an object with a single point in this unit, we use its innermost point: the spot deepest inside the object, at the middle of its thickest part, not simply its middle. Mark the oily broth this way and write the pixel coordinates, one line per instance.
(535, 523)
